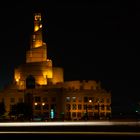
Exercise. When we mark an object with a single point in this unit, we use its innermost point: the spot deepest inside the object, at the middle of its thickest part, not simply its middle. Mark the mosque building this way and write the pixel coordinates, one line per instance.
(41, 86)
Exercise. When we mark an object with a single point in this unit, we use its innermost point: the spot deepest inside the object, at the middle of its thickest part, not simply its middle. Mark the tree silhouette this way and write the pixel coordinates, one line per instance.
(2, 108)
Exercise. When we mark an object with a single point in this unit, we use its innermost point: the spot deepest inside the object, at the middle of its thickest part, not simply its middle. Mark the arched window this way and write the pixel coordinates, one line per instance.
(30, 82)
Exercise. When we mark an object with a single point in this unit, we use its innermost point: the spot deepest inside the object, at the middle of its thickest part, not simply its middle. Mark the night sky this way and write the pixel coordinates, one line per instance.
(91, 41)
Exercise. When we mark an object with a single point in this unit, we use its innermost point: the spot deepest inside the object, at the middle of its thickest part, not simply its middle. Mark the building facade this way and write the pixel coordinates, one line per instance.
(42, 86)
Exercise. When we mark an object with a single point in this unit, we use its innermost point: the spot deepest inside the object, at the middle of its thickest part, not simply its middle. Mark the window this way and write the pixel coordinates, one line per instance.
(73, 114)
(79, 99)
(102, 100)
(73, 99)
(96, 107)
(85, 99)
(90, 107)
(67, 99)
(46, 107)
(79, 106)
(102, 107)
(79, 114)
(37, 107)
(108, 107)
(74, 106)
(85, 107)
(68, 107)
(68, 114)
(45, 99)
(30, 82)
(37, 99)
(97, 100)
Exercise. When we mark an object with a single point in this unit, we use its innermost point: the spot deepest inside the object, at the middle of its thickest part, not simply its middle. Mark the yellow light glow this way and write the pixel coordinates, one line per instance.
(43, 104)
(17, 76)
(35, 103)
(90, 101)
(40, 25)
(36, 28)
(38, 17)
(38, 43)
(17, 80)
(48, 73)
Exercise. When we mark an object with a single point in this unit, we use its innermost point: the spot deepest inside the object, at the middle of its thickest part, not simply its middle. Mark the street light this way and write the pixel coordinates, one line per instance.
(89, 101)
(35, 103)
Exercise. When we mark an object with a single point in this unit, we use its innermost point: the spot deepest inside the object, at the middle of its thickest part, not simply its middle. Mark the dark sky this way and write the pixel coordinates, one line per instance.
(95, 41)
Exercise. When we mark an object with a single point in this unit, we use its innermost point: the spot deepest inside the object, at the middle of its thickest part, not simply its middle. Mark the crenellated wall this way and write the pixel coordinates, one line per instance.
(84, 84)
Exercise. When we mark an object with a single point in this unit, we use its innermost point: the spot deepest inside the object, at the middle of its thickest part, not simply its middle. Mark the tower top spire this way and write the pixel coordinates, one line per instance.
(37, 22)
(37, 35)
(38, 48)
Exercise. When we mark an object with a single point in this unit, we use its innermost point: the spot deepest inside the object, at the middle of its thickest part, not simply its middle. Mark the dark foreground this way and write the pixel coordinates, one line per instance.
(69, 136)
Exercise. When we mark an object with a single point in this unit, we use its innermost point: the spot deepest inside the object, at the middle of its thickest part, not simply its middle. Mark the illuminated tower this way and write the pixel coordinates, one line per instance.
(38, 49)
(37, 36)
(37, 64)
